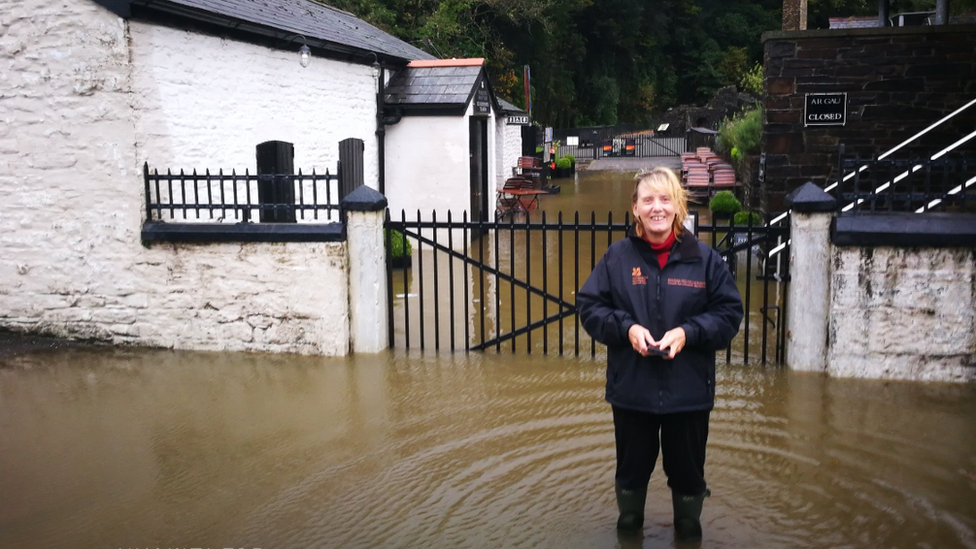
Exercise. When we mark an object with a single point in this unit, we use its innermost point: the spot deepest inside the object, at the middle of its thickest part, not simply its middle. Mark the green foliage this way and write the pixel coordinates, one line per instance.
(733, 65)
(752, 80)
(571, 158)
(564, 163)
(740, 135)
(592, 61)
(399, 245)
(724, 202)
(742, 218)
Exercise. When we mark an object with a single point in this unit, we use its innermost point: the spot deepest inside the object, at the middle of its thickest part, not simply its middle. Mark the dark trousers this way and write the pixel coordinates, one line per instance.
(681, 437)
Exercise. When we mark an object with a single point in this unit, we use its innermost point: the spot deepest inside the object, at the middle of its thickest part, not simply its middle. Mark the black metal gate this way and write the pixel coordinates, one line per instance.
(639, 146)
(514, 288)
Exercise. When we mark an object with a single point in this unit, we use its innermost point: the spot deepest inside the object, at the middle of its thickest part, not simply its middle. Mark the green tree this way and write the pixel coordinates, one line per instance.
(592, 62)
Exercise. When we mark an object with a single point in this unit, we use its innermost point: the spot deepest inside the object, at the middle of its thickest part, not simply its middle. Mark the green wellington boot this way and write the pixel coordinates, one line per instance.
(687, 515)
(631, 506)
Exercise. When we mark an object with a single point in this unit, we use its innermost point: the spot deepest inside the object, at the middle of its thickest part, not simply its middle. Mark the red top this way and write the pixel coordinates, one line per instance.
(663, 249)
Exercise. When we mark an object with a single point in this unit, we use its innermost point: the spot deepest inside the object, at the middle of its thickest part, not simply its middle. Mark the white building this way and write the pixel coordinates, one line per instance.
(90, 91)
(453, 142)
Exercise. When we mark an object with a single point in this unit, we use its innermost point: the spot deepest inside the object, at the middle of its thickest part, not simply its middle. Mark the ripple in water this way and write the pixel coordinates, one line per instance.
(137, 448)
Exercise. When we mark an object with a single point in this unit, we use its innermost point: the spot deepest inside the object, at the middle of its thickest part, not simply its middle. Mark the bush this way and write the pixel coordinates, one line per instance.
(752, 80)
(397, 242)
(742, 218)
(740, 135)
(572, 159)
(564, 163)
(724, 202)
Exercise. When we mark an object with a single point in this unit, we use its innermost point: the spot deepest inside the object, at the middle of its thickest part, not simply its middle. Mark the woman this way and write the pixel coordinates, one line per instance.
(663, 303)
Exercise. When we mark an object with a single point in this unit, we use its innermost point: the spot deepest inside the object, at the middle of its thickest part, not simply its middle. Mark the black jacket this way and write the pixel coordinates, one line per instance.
(694, 290)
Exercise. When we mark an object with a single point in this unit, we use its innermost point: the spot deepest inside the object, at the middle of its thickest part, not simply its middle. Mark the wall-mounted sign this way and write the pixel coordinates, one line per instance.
(825, 109)
(482, 103)
(572, 141)
(518, 120)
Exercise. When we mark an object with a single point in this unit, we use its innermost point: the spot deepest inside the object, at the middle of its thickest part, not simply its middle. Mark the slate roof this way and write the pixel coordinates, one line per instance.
(322, 26)
(507, 107)
(432, 86)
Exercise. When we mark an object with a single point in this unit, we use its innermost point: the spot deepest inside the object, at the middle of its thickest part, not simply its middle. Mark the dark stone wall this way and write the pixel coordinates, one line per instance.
(724, 104)
(898, 81)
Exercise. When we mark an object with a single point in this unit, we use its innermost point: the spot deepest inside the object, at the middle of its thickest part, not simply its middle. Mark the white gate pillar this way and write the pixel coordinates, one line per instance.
(808, 311)
(368, 320)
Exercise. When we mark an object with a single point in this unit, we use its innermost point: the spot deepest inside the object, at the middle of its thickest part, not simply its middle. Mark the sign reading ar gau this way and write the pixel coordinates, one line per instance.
(825, 109)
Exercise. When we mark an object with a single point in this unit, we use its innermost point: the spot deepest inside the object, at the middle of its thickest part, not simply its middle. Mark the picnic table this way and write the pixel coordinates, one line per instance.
(518, 196)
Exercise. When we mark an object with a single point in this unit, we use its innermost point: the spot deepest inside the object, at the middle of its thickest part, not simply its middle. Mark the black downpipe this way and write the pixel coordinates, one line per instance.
(382, 121)
(381, 132)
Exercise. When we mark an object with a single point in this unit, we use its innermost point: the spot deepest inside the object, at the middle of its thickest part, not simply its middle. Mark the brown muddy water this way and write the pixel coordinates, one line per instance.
(147, 448)
(110, 448)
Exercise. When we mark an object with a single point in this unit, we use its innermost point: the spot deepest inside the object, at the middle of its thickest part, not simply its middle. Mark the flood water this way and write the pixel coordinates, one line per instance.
(103, 447)
(147, 448)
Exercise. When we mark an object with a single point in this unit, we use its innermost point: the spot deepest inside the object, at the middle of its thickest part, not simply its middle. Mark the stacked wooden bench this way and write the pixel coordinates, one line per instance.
(530, 167)
(703, 173)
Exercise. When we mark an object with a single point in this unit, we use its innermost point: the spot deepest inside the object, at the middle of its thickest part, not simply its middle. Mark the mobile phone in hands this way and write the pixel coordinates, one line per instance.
(654, 351)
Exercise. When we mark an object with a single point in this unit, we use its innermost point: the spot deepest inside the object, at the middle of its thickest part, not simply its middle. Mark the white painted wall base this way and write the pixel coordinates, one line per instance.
(369, 322)
(903, 313)
(809, 292)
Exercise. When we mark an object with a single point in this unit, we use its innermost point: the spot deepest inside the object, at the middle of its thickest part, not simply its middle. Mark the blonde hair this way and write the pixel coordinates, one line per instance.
(666, 180)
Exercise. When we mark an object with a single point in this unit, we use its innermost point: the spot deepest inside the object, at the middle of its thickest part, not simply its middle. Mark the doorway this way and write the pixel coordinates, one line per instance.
(478, 154)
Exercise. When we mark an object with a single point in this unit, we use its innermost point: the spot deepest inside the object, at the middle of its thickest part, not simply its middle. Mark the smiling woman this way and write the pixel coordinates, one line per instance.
(663, 303)
(660, 205)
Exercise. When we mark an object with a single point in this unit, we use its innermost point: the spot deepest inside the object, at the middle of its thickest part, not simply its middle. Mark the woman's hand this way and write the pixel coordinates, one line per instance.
(675, 339)
(640, 338)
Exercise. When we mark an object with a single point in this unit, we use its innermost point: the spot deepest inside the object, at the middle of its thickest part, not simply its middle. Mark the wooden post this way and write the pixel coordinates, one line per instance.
(276, 158)
(350, 165)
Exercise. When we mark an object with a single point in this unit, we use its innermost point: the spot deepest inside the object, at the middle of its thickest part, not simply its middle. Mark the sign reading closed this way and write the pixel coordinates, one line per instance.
(825, 109)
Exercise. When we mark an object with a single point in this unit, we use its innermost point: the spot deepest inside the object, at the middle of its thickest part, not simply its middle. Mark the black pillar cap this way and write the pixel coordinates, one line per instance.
(811, 198)
(363, 199)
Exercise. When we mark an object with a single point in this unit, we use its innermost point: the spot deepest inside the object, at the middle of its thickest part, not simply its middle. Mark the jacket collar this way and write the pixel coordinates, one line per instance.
(685, 247)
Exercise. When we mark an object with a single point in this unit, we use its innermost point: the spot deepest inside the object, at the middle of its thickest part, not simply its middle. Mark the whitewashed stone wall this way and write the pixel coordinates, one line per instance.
(508, 147)
(206, 102)
(903, 313)
(442, 167)
(84, 101)
(427, 174)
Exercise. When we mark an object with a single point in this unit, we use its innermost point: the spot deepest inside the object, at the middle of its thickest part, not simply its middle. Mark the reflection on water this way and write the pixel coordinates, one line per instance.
(136, 448)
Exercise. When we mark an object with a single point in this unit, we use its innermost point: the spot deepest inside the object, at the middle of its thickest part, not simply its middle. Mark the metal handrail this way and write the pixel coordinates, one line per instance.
(884, 155)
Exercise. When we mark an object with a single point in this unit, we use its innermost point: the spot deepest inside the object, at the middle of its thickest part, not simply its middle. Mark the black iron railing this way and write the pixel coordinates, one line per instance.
(640, 146)
(222, 197)
(514, 287)
(907, 185)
